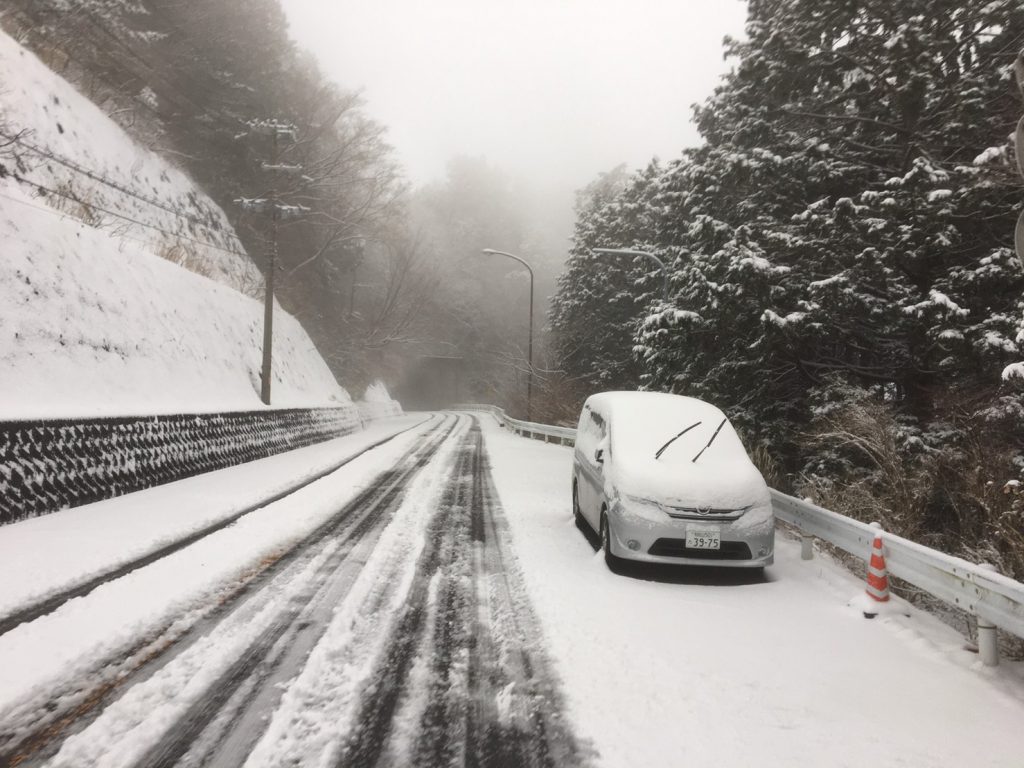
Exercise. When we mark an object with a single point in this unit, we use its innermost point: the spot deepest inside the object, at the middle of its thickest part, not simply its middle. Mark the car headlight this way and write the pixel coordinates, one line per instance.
(757, 516)
(640, 501)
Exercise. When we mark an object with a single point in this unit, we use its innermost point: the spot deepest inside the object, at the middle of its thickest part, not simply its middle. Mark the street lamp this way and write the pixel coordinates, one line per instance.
(645, 254)
(529, 381)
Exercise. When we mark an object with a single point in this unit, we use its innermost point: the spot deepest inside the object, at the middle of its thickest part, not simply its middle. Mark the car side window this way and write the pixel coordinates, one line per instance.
(601, 431)
(589, 434)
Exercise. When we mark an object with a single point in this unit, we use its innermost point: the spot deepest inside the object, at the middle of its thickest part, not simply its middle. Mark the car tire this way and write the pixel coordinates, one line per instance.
(577, 515)
(613, 562)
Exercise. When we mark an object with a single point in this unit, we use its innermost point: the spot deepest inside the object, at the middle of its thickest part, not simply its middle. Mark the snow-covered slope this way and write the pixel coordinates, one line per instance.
(92, 319)
(377, 403)
(93, 324)
(69, 146)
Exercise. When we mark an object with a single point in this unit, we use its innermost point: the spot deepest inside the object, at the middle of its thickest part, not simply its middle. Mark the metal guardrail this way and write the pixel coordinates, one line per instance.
(546, 432)
(977, 589)
(974, 588)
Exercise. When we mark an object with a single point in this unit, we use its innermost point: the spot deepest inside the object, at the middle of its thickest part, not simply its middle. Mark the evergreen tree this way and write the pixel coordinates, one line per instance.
(600, 297)
(847, 215)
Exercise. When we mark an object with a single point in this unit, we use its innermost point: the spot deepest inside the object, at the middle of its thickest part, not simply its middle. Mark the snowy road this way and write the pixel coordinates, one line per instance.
(419, 596)
(386, 628)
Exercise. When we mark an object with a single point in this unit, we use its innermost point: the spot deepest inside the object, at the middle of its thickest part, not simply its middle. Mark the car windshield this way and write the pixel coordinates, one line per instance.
(675, 437)
(713, 436)
(671, 440)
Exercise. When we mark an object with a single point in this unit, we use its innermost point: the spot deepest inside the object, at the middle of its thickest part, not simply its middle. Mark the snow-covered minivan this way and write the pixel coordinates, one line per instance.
(664, 478)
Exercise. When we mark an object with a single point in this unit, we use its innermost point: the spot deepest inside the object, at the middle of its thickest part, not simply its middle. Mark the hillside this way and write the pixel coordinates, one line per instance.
(96, 315)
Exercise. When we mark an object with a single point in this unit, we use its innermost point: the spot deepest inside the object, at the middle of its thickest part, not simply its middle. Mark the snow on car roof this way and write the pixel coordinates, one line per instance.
(642, 422)
(655, 406)
(703, 465)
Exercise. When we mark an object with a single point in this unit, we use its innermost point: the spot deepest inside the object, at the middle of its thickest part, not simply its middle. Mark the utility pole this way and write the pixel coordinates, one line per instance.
(268, 292)
(277, 130)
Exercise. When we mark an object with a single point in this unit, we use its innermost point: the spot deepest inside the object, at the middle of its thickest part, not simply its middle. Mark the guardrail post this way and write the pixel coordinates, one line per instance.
(988, 641)
(806, 546)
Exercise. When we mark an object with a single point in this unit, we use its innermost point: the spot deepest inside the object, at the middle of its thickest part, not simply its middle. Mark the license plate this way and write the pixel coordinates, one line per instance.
(703, 538)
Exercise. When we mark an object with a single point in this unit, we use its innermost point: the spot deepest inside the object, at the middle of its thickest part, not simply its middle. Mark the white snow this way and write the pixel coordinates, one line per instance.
(939, 300)
(761, 264)
(774, 318)
(641, 423)
(671, 316)
(701, 671)
(828, 281)
(996, 340)
(92, 319)
(97, 325)
(1013, 371)
(990, 155)
(323, 700)
(59, 120)
(376, 402)
(44, 555)
(692, 668)
(62, 645)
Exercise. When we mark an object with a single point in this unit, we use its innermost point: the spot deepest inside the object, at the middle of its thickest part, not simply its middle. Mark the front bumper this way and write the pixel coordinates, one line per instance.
(748, 542)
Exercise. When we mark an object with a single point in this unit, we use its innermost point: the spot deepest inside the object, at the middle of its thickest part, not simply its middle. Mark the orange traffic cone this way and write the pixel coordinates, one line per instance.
(878, 578)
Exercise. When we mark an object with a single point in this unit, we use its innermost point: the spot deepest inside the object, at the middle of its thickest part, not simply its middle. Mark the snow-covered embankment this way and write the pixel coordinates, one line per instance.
(95, 315)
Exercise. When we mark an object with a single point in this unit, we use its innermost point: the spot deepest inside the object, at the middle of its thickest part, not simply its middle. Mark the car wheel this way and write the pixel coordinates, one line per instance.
(613, 562)
(577, 515)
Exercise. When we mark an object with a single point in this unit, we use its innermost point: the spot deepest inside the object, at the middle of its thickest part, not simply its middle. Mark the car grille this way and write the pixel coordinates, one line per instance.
(730, 550)
(704, 513)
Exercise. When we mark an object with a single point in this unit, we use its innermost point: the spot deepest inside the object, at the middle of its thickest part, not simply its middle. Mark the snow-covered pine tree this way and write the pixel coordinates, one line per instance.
(601, 297)
(846, 215)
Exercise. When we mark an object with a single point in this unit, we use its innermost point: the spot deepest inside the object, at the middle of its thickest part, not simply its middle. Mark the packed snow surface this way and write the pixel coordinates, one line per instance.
(60, 646)
(703, 669)
(662, 667)
(44, 555)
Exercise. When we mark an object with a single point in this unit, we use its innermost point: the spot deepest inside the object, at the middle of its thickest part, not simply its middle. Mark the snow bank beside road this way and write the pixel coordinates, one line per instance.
(44, 555)
(63, 645)
(377, 403)
(702, 671)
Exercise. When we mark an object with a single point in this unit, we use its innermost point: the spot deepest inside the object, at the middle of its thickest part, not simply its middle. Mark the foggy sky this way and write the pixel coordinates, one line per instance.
(551, 91)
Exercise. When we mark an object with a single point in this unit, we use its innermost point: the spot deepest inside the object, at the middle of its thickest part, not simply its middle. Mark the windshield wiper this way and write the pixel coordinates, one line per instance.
(710, 441)
(672, 440)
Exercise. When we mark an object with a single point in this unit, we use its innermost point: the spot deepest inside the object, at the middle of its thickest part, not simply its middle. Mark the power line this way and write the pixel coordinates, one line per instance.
(47, 190)
(46, 209)
(72, 165)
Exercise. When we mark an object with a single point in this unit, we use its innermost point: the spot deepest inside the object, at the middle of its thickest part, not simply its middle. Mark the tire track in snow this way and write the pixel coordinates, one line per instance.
(489, 697)
(34, 730)
(52, 602)
(438, 661)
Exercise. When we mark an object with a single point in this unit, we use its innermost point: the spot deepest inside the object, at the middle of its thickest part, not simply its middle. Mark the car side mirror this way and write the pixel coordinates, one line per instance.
(599, 455)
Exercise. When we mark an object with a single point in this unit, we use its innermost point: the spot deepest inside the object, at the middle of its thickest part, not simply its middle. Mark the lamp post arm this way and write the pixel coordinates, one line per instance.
(647, 255)
(511, 256)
